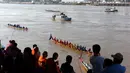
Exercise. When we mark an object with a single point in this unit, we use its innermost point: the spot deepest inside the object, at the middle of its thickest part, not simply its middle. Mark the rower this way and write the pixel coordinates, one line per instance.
(14, 25)
(26, 28)
(23, 27)
(50, 37)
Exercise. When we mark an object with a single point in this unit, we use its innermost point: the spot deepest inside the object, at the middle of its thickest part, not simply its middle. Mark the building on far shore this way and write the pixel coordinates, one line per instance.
(33, 1)
(106, 1)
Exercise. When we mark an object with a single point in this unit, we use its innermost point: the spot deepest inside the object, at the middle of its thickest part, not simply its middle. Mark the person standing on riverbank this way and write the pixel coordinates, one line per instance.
(96, 60)
(116, 67)
(51, 65)
(66, 67)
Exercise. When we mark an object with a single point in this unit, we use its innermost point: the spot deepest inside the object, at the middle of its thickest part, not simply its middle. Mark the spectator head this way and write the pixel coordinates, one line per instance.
(15, 44)
(34, 45)
(96, 49)
(45, 54)
(117, 58)
(55, 55)
(107, 62)
(11, 41)
(69, 59)
(27, 50)
(36, 50)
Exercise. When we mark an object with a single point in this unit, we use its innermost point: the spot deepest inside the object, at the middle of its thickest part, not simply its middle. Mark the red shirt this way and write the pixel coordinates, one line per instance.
(51, 66)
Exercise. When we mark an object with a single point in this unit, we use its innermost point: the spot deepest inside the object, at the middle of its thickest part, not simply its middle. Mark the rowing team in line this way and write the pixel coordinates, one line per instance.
(18, 26)
(69, 44)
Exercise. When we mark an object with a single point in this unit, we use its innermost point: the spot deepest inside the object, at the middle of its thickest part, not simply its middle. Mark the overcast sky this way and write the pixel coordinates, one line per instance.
(72, 0)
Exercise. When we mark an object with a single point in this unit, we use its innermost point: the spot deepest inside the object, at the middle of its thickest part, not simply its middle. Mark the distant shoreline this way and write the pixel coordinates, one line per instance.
(93, 4)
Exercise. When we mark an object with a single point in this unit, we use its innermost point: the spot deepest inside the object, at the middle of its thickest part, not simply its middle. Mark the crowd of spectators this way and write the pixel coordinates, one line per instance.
(106, 65)
(12, 60)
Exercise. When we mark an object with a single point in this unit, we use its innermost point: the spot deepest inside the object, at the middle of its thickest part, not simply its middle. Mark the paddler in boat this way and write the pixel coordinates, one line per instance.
(64, 42)
(81, 48)
(74, 46)
(17, 26)
(14, 25)
(57, 41)
(77, 46)
(84, 48)
(67, 43)
(23, 27)
(10, 25)
(61, 42)
(50, 37)
(90, 52)
(70, 44)
(26, 28)
(54, 39)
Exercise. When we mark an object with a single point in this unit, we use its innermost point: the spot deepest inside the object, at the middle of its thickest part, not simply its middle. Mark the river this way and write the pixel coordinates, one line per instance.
(90, 25)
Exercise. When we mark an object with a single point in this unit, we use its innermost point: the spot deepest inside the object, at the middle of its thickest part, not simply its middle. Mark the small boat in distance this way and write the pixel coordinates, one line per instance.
(52, 10)
(111, 10)
(65, 17)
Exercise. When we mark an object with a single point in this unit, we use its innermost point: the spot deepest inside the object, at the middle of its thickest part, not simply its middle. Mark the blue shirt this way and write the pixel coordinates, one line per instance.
(115, 68)
(97, 64)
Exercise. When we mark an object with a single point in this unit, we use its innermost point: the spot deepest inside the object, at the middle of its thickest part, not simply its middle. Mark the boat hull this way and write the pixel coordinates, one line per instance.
(52, 11)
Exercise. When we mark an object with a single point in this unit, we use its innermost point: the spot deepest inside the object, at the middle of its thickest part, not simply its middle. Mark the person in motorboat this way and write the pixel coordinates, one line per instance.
(64, 16)
(18, 26)
(23, 27)
(10, 25)
(14, 25)
(62, 13)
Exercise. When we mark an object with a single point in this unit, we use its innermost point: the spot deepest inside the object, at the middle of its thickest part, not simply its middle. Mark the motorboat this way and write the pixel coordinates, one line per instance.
(65, 18)
(52, 10)
(111, 10)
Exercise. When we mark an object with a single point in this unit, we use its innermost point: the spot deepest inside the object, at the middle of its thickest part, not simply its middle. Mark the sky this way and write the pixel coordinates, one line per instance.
(72, 0)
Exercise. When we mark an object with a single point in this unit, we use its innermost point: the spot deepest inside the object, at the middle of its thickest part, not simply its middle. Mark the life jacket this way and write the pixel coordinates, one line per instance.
(33, 51)
(60, 41)
(42, 62)
(57, 41)
(70, 45)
